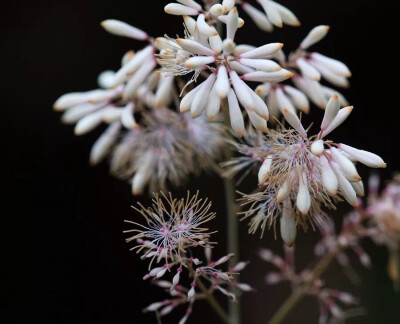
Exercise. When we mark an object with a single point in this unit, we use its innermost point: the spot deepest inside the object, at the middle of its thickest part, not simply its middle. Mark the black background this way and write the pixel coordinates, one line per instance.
(65, 258)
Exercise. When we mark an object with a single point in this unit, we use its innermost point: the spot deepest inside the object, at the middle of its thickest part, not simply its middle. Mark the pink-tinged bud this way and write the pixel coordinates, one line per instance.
(180, 10)
(166, 310)
(224, 259)
(244, 287)
(288, 224)
(139, 181)
(235, 114)
(307, 70)
(317, 148)
(266, 255)
(191, 293)
(175, 279)
(264, 170)
(120, 28)
(335, 310)
(154, 271)
(369, 159)
(273, 278)
(272, 12)
(314, 36)
(239, 267)
(329, 179)
(227, 293)
(294, 121)
(303, 201)
(154, 306)
(346, 166)
(346, 298)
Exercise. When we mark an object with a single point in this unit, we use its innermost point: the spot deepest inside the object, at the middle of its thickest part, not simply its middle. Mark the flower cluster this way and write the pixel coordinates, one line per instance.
(148, 143)
(300, 173)
(174, 229)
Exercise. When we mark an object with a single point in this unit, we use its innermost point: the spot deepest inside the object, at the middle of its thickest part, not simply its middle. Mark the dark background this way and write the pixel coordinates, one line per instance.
(65, 256)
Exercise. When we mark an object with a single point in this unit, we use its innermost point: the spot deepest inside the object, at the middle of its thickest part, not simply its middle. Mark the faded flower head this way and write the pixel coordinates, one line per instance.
(174, 230)
(301, 174)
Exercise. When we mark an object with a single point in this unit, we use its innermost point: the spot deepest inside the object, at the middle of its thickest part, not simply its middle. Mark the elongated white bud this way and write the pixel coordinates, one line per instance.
(127, 118)
(329, 92)
(283, 101)
(338, 120)
(314, 36)
(127, 57)
(260, 76)
(222, 85)
(204, 28)
(224, 259)
(132, 66)
(257, 121)
(317, 148)
(329, 179)
(273, 107)
(164, 90)
(190, 24)
(298, 98)
(120, 28)
(307, 70)
(154, 306)
(74, 114)
(239, 267)
(161, 273)
(346, 188)
(89, 122)
(180, 10)
(331, 111)
(199, 61)
(70, 99)
(194, 47)
(294, 121)
(175, 279)
(272, 12)
(288, 224)
(242, 48)
(138, 78)
(104, 143)
(260, 106)
(216, 44)
(369, 159)
(264, 170)
(258, 17)
(332, 64)
(241, 91)
(213, 104)
(263, 90)
(105, 79)
(347, 167)
(190, 3)
(303, 201)
(188, 99)
(262, 51)
(199, 102)
(312, 89)
(335, 79)
(287, 16)
(261, 64)
(228, 45)
(139, 181)
(217, 10)
(283, 192)
(358, 187)
(232, 23)
(235, 114)
(228, 5)
(240, 68)
(166, 310)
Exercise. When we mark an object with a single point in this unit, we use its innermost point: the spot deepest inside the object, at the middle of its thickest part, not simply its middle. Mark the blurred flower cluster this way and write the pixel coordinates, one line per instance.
(173, 233)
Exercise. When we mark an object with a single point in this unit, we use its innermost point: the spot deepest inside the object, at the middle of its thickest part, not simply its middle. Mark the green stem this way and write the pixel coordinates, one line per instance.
(299, 293)
(213, 302)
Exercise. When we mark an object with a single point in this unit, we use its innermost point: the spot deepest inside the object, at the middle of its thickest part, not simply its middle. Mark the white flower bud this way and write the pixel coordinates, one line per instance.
(104, 143)
(216, 44)
(346, 188)
(317, 148)
(161, 273)
(288, 224)
(335, 79)
(307, 70)
(347, 167)
(294, 121)
(180, 10)
(314, 36)
(312, 89)
(331, 111)
(217, 10)
(199, 103)
(332, 64)
(264, 170)
(283, 192)
(283, 101)
(272, 12)
(369, 159)
(358, 187)
(262, 51)
(228, 5)
(89, 122)
(70, 99)
(120, 28)
(154, 306)
(240, 68)
(166, 310)
(241, 91)
(228, 46)
(242, 48)
(138, 78)
(235, 114)
(287, 16)
(260, 106)
(244, 287)
(261, 64)
(194, 47)
(257, 121)
(258, 17)
(204, 28)
(127, 118)
(260, 76)
(232, 23)
(164, 90)
(198, 61)
(213, 104)
(329, 92)
(191, 293)
(187, 100)
(75, 113)
(105, 79)
(329, 179)
(191, 3)
(298, 98)
(338, 120)
(239, 267)
(303, 200)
